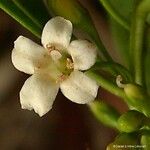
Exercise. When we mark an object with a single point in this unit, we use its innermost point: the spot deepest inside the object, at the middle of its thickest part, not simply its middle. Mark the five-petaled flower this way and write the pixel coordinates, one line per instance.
(57, 64)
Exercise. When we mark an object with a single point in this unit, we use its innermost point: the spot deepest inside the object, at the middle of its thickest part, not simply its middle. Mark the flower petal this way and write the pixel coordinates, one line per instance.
(27, 55)
(83, 54)
(79, 88)
(38, 93)
(57, 32)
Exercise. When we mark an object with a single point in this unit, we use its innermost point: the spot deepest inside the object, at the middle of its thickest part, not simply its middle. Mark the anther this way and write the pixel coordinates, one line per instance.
(69, 64)
(51, 48)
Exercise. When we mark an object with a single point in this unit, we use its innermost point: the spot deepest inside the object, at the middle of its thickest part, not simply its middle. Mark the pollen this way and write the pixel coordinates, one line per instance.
(51, 48)
(69, 64)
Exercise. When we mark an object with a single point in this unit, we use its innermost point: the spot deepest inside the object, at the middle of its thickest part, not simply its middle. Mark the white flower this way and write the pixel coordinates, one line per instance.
(54, 65)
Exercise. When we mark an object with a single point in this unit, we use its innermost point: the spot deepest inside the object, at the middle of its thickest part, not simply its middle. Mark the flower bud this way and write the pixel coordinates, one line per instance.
(134, 91)
(61, 8)
(73, 11)
(145, 141)
(123, 142)
(105, 113)
(130, 121)
(137, 98)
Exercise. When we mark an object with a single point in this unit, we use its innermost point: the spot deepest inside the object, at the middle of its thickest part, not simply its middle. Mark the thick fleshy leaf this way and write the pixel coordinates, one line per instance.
(57, 32)
(27, 55)
(38, 93)
(79, 88)
(83, 54)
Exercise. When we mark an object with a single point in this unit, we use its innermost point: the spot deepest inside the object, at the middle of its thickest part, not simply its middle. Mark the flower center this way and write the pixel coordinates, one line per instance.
(69, 63)
(51, 47)
(62, 62)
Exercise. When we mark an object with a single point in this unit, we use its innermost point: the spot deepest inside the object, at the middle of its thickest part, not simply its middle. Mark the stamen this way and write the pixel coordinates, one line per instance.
(51, 48)
(61, 78)
(69, 64)
(119, 79)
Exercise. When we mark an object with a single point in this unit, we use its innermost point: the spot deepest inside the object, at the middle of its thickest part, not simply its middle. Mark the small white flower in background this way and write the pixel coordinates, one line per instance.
(54, 65)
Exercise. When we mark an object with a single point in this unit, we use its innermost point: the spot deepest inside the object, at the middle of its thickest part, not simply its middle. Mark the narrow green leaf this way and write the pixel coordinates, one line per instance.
(147, 61)
(121, 41)
(137, 36)
(30, 14)
(35, 10)
(9, 7)
(120, 10)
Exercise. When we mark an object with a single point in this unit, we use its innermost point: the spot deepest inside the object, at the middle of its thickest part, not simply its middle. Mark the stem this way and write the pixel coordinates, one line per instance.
(115, 14)
(115, 69)
(112, 88)
(136, 39)
(105, 113)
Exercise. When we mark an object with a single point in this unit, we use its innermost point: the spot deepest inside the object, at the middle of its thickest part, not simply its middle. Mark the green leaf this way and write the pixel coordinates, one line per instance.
(120, 10)
(35, 10)
(26, 15)
(147, 61)
(120, 13)
(121, 41)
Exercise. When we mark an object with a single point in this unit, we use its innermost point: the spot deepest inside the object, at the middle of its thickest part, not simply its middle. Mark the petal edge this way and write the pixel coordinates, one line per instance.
(79, 88)
(57, 32)
(27, 55)
(38, 93)
(83, 54)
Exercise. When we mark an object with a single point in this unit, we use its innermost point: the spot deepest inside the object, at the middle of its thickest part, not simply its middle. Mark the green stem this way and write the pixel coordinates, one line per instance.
(136, 40)
(104, 83)
(115, 14)
(115, 69)
(105, 113)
